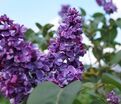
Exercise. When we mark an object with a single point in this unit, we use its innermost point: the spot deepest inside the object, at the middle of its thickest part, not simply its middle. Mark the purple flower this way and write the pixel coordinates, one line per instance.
(23, 66)
(15, 84)
(112, 98)
(18, 62)
(100, 2)
(64, 10)
(109, 7)
(66, 50)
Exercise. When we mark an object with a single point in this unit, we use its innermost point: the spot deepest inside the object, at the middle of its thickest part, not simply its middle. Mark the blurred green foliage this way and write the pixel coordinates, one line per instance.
(42, 37)
(3, 100)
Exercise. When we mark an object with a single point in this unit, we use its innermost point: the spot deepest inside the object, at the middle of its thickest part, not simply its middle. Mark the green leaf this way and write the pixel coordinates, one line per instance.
(118, 22)
(90, 29)
(69, 93)
(46, 28)
(116, 58)
(109, 34)
(3, 100)
(110, 79)
(107, 57)
(113, 22)
(112, 33)
(45, 93)
(83, 12)
(39, 26)
(29, 31)
(76, 102)
(51, 33)
(49, 93)
(97, 51)
(30, 35)
(99, 17)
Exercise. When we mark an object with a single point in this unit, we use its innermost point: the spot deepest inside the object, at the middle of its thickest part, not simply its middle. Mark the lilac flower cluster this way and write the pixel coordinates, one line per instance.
(112, 98)
(108, 6)
(18, 61)
(23, 66)
(66, 50)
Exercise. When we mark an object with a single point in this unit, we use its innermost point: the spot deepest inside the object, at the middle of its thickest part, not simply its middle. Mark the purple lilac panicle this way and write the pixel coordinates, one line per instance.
(66, 50)
(112, 98)
(18, 61)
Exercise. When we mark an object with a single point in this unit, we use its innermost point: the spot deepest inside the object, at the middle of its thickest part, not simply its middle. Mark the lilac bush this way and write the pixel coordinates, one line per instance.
(23, 66)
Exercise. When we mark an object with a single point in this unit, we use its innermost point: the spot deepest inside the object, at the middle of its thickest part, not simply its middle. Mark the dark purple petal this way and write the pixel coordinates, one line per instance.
(100, 2)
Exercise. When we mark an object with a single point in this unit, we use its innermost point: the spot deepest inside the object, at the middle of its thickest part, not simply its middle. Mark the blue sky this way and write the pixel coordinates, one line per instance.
(28, 12)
